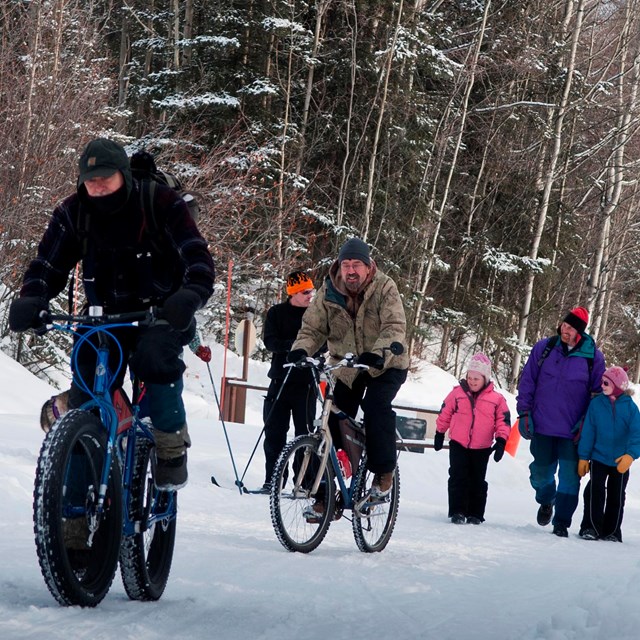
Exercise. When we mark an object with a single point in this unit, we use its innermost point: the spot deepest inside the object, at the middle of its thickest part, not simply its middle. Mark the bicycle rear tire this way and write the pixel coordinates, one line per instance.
(68, 476)
(146, 555)
(292, 527)
(373, 530)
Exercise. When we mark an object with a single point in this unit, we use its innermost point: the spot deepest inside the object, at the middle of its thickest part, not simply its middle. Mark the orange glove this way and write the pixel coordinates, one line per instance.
(583, 468)
(624, 462)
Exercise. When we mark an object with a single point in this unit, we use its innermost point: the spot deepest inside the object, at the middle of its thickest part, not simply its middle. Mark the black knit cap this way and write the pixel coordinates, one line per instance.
(578, 318)
(355, 249)
(102, 158)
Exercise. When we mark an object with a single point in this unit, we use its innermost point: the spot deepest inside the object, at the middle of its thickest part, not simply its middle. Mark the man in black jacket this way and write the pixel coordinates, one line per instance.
(125, 269)
(296, 398)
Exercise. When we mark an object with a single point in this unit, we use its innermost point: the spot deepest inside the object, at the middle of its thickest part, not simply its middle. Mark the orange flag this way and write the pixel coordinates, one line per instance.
(513, 440)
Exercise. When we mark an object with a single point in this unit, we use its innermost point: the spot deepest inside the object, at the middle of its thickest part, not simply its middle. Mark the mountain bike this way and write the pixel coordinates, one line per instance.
(309, 467)
(95, 501)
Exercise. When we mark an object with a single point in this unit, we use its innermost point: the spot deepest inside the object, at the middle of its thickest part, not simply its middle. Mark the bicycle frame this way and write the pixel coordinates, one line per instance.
(122, 434)
(323, 431)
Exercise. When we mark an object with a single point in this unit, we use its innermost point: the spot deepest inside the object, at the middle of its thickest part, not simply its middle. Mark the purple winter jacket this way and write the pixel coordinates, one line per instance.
(557, 392)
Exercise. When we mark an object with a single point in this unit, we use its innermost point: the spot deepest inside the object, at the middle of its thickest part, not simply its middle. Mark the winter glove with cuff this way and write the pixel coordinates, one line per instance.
(438, 440)
(296, 356)
(583, 468)
(498, 448)
(525, 425)
(372, 360)
(204, 353)
(624, 462)
(24, 313)
(180, 308)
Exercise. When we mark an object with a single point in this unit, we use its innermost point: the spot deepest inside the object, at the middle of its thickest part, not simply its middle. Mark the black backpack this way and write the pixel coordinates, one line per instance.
(144, 169)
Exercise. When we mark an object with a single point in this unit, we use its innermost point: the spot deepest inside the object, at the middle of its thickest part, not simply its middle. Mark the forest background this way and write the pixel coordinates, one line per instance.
(488, 152)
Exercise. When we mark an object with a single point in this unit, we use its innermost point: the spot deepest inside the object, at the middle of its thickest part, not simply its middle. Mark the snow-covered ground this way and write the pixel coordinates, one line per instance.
(231, 578)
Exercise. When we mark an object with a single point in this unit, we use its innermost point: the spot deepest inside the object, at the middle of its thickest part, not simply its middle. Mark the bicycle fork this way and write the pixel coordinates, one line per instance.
(324, 449)
(109, 419)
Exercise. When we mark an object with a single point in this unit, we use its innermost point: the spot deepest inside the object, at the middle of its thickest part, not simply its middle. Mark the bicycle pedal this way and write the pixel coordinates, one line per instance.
(365, 508)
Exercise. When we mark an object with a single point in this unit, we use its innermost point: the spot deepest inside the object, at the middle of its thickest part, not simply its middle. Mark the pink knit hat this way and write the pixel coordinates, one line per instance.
(618, 378)
(479, 363)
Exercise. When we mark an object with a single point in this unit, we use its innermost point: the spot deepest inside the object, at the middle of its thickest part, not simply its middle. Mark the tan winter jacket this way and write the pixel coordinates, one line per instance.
(380, 320)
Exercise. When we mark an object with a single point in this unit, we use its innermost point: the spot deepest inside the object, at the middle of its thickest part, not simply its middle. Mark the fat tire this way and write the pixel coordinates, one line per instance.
(76, 444)
(372, 534)
(293, 530)
(146, 555)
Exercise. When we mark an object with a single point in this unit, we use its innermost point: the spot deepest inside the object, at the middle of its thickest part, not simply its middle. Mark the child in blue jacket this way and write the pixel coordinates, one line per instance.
(608, 445)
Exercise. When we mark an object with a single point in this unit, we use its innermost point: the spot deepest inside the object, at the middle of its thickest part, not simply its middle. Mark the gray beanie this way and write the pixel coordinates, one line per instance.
(355, 249)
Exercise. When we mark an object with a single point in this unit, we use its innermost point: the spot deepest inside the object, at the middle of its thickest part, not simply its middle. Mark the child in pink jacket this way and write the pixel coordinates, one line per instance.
(474, 414)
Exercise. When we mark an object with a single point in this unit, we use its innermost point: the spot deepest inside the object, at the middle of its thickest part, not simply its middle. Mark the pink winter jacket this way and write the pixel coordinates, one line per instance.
(474, 422)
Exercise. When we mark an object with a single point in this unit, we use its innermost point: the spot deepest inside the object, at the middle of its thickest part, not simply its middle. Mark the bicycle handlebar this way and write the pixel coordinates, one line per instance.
(96, 317)
(349, 360)
(319, 363)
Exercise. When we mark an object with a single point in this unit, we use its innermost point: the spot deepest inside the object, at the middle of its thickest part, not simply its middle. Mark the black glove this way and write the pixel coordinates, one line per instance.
(180, 307)
(438, 440)
(296, 356)
(24, 313)
(372, 360)
(498, 447)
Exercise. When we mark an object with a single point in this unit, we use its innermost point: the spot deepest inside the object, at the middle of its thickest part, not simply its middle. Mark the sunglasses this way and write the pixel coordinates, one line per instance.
(606, 383)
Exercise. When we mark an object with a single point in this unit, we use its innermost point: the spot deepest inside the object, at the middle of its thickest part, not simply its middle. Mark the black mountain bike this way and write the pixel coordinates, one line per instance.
(95, 501)
(309, 468)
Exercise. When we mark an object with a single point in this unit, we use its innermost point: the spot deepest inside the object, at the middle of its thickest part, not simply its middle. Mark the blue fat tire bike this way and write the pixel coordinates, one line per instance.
(95, 473)
(308, 471)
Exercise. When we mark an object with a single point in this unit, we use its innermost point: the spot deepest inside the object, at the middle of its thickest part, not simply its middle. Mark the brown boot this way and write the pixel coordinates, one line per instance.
(382, 483)
(171, 453)
(53, 409)
(75, 533)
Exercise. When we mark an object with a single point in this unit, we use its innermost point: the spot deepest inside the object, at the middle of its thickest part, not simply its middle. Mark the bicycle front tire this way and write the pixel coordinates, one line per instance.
(146, 555)
(68, 478)
(373, 527)
(291, 482)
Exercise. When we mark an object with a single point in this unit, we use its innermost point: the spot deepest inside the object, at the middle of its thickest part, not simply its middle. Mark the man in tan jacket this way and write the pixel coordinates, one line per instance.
(358, 310)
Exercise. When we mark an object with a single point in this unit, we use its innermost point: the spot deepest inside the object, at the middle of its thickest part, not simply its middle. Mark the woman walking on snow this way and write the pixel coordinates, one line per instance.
(608, 445)
(474, 413)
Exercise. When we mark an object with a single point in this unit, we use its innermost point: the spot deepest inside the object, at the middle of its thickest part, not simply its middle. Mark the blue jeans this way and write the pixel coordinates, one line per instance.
(551, 454)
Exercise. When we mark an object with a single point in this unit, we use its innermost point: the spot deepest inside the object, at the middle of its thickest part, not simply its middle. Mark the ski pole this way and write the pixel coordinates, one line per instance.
(273, 406)
(226, 435)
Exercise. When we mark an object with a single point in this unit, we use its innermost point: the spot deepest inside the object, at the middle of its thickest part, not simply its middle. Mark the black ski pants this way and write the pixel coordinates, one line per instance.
(296, 401)
(467, 485)
(604, 498)
(374, 395)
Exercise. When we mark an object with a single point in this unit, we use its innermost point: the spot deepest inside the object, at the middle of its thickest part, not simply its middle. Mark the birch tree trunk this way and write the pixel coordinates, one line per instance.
(188, 32)
(344, 174)
(30, 97)
(615, 174)
(386, 72)
(321, 8)
(549, 183)
(431, 244)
